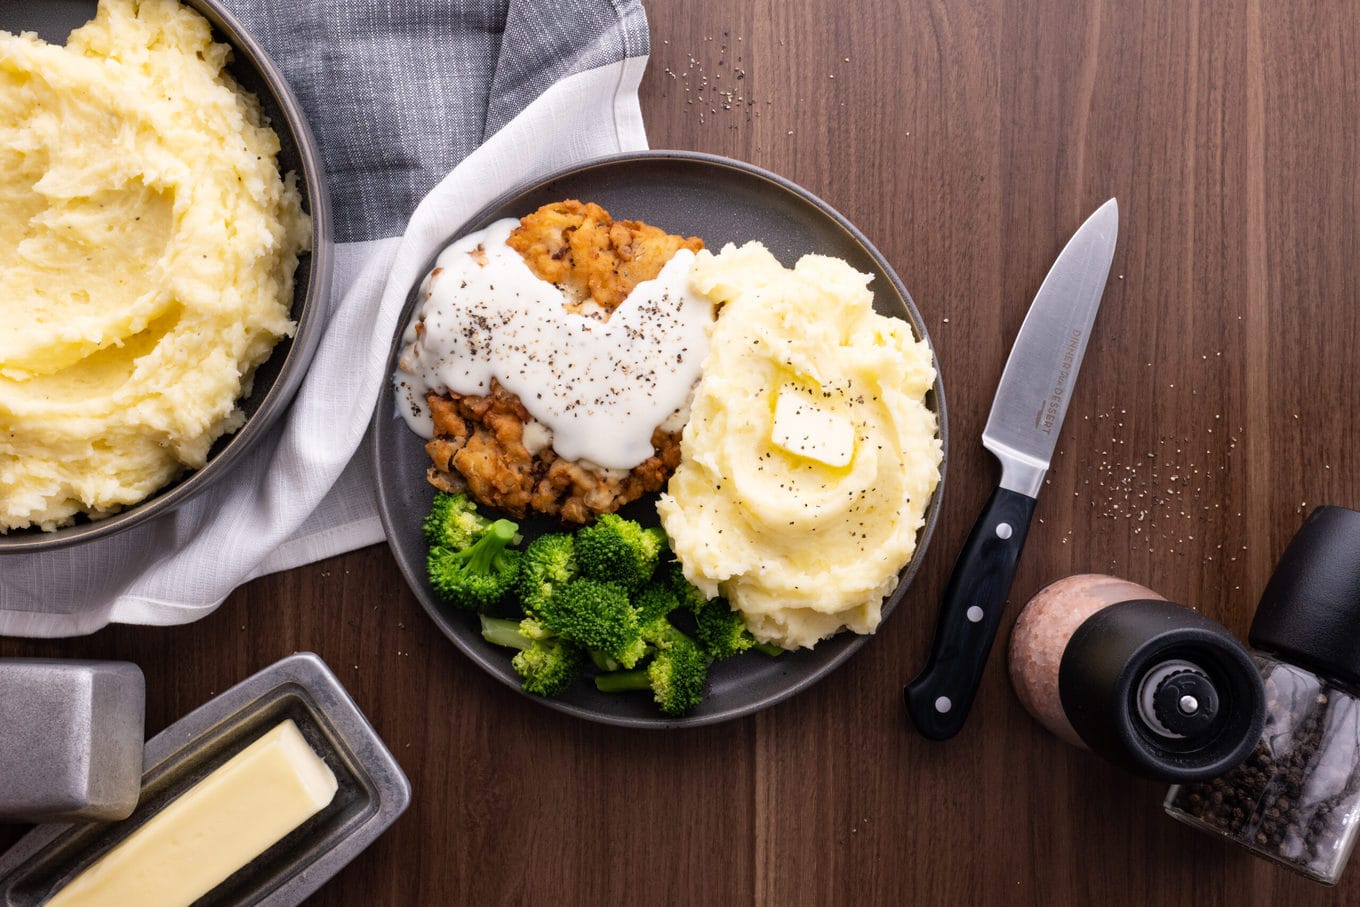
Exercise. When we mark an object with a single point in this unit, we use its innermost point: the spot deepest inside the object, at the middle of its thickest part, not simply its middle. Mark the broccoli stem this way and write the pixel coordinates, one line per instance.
(768, 648)
(501, 632)
(481, 554)
(603, 661)
(618, 681)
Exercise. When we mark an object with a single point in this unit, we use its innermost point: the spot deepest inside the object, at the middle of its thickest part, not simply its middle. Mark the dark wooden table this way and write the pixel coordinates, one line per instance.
(1218, 405)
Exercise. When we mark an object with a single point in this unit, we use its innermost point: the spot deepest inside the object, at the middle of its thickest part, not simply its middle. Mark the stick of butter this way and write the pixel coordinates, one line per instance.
(213, 829)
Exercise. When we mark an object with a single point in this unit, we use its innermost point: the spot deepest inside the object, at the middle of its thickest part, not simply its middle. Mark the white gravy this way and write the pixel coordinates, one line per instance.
(599, 388)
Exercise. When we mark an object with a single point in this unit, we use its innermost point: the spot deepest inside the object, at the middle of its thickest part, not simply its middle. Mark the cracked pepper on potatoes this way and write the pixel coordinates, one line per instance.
(147, 250)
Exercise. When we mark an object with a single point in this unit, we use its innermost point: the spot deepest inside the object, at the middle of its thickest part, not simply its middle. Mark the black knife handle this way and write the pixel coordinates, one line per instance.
(939, 699)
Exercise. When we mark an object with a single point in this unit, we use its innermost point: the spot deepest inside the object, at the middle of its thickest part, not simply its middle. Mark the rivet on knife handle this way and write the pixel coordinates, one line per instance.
(938, 701)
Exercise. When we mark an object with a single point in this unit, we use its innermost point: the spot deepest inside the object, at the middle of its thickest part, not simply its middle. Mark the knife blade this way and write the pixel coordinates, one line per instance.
(1021, 432)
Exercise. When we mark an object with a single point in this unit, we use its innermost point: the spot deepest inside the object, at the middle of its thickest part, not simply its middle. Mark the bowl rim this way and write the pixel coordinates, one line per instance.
(306, 335)
(908, 574)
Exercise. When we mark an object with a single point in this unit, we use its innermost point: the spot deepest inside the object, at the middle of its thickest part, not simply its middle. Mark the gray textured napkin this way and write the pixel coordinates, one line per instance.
(399, 92)
(424, 110)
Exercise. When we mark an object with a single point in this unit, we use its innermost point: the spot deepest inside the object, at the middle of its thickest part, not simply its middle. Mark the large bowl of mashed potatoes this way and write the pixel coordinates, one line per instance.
(164, 241)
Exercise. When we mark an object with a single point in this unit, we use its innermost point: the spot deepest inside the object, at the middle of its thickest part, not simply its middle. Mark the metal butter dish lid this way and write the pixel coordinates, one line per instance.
(70, 739)
(372, 790)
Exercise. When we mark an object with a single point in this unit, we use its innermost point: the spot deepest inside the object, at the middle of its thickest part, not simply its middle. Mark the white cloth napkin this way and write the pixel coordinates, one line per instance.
(306, 491)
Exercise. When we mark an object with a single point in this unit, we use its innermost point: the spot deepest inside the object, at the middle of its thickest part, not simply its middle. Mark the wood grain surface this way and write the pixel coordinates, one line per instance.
(1217, 406)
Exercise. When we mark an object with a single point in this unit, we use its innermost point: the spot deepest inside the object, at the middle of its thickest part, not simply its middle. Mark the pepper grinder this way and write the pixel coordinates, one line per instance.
(1296, 799)
(1152, 686)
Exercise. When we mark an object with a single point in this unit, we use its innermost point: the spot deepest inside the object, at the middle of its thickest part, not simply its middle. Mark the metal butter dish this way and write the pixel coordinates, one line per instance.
(372, 792)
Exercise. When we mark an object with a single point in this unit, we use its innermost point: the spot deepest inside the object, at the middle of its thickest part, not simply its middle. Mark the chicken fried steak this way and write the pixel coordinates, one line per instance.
(487, 446)
(490, 445)
(591, 256)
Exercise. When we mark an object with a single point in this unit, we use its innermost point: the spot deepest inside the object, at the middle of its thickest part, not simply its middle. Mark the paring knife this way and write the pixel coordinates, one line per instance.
(1021, 432)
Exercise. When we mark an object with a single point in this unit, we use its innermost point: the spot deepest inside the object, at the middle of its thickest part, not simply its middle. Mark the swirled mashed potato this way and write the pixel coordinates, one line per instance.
(147, 249)
(810, 454)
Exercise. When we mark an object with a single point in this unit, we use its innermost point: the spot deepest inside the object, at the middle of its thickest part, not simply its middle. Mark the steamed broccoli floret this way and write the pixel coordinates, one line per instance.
(453, 522)
(721, 631)
(654, 600)
(548, 563)
(546, 663)
(478, 576)
(616, 550)
(676, 677)
(596, 615)
(548, 668)
(661, 634)
(686, 593)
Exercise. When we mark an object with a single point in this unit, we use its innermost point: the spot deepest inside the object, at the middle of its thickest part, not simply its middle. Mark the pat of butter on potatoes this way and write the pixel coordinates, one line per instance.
(216, 827)
(803, 427)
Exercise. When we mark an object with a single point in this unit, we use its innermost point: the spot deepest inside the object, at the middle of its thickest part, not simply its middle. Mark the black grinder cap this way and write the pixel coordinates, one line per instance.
(1310, 611)
(1162, 691)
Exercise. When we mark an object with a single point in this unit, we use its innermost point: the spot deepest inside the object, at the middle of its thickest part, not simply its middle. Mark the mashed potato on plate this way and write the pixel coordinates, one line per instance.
(810, 454)
(147, 250)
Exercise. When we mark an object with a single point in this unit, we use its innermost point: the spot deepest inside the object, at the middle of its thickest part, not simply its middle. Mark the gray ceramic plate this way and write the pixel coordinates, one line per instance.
(719, 200)
(278, 378)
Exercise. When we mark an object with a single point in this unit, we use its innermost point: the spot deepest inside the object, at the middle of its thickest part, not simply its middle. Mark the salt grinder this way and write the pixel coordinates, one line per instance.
(1149, 685)
(1296, 799)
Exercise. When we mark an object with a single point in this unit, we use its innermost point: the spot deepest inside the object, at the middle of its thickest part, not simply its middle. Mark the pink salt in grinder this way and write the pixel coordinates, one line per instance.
(1152, 686)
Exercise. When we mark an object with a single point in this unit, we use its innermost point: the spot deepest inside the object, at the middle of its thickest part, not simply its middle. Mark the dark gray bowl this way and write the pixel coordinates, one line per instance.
(719, 200)
(279, 377)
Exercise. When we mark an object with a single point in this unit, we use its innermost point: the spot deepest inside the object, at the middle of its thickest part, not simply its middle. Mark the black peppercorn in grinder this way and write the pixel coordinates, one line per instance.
(1162, 691)
(1296, 799)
